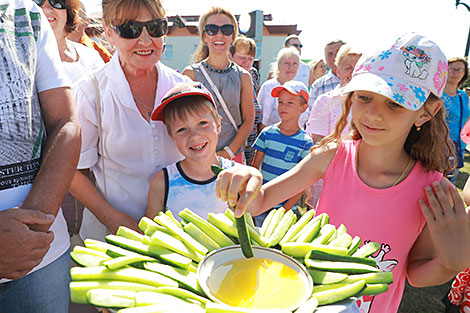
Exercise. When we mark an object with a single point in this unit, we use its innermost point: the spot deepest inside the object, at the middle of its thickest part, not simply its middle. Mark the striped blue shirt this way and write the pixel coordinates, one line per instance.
(281, 152)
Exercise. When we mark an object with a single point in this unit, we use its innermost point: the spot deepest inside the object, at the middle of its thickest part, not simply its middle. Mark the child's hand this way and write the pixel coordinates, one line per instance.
(245, 181)
(449, 226)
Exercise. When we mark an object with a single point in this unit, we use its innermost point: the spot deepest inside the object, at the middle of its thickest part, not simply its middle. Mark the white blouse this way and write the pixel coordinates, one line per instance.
(134, 149)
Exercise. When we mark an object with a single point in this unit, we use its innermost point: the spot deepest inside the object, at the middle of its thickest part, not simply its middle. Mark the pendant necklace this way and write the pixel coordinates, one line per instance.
(147, 107)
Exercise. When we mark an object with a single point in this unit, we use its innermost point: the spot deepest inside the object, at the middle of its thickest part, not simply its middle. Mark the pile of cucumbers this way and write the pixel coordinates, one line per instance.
(157, 271)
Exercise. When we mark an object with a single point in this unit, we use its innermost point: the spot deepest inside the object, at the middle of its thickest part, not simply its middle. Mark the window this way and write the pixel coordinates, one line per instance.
(168, 54)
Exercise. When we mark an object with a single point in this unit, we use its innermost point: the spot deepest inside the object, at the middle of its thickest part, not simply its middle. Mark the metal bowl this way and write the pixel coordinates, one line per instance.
(221, 256)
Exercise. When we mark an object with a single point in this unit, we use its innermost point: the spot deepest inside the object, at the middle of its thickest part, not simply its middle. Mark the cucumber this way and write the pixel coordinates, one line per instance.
(355, 243)
(185, 278)
(340, 267)
(200, 236)
(325, 219)
(172, 217)
(308, 306)
(339, 294)
(281, 229)
(309, 232)
(300, 249)
(125, 260)
(249, 219)
(332, 237)
(128, 233)
(322, 255)
(373, 289)
(177, 230)
(325, 234)
(266, 221)
(85, 259)
(341, 230)
(80, 249)
(212, 307)
(166, 241)
(111, 298)
(146, 223)
(182, 294)
(144, 298)
(110, 249)
(165, 308)
(79, 289)
(342, 240)
(326, 278)
(372, 278)
(320, 288)
(209, 229)
(367, 250)
(255, 236)
(193, 267)
(274, 221)
(161, 253)
(124, 274)
(223, 223)
(297, 226)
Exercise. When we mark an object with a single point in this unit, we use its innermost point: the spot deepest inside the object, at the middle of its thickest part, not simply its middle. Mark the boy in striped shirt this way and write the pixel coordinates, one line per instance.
(281, 146)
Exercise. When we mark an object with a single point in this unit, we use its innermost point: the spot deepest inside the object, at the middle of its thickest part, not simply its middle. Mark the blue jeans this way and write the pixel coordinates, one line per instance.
(43, 291)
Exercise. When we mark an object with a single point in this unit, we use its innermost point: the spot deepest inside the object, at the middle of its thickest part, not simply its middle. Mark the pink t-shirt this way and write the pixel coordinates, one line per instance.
(391, 217)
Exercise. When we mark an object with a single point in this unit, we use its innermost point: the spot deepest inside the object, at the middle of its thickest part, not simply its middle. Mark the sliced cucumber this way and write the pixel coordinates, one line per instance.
(128, 233)
(355, 244)
(339, 294)
(163, 240)
(340, 267)
(326, 278)
(200, 236)
(372, 278)
(300, 249)
(373, 289)
(144, 298)
(165, 308)
(308, 306)
(106, 298)
(125, 260)
(85, 259)
(323, 255)
(298, 226)
(325, 234)
(182, 294)
(367, 250)
(212, 307)
(185, 278)
(343, 240)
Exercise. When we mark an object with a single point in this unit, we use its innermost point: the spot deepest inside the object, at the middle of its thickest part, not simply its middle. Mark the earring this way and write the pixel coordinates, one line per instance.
(418, 128)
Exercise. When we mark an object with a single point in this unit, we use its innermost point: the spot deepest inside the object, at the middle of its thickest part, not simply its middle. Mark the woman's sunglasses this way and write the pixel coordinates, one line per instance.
(56, 4)
(212, 29)
(133, 29)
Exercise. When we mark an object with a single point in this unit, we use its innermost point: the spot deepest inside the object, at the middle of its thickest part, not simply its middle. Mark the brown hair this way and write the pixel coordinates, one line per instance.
(464, 61)
(181, 108)
(431, 145)
(120, 11)
(243, 43)
(202, 51)
(72, 8)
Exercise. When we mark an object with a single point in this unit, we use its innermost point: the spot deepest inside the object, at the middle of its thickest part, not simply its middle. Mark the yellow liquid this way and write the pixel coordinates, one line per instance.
(257, 283)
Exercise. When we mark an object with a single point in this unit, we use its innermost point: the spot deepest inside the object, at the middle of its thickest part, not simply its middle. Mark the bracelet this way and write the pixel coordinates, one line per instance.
(229, 151)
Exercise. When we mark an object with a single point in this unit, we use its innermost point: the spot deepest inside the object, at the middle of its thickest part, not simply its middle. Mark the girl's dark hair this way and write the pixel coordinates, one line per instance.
(72, 8)
(431, 145)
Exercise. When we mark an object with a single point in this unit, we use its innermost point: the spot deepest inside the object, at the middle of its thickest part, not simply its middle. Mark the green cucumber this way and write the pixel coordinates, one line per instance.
(300, 249)
(166, 241)
(177, 231)
(212, 307)
(242, 229)
(298, 226)
(125, 260)
(144, 298)
(110, 249)
(266, 222)
(320, 288)
(165, 308)
(309, 232)
(129, 274)
(182, 294)
(255, 236)
(340, 293)
(185, 278)
(308, 306)
(79, 289)
(274, 221)
(105, 298)
(172, 217)
(128, 233)
(325, 219)
(139, 248)
(367, 250)
(209, 229)
(193, 267)
(325, 234)
(201, 237)
(80, 249)
(326, 278)
(281, 229)
(373, 289)
(342, 240)
(355, 244)
(340, 267)
(332, 237)
(322, 255)
(341, 230)
(372, 278)
(223, 223)
(86, 259)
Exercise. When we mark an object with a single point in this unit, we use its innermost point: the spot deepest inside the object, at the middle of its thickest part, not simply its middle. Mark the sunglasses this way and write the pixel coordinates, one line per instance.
(297, 45)
(133, 29)
(212, 29)
(456, 70)
(56, 4)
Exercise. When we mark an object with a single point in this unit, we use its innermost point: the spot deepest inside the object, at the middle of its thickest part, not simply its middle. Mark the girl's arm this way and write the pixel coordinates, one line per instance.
(247, 181)
(442, 250)
(466, 192)
(258, 159)
(83, 189)
(156, 195)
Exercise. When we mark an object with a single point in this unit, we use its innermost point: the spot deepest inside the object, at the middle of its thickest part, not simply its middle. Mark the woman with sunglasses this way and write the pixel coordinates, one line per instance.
(230, 85)
(134, 147)
(457, 110)
(64, 18)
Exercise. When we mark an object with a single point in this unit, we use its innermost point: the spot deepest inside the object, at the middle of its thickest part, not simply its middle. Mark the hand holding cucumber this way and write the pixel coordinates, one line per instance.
(238, 186)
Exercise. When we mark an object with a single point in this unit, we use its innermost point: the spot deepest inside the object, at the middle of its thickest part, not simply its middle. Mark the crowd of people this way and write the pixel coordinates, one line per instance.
(126, 136)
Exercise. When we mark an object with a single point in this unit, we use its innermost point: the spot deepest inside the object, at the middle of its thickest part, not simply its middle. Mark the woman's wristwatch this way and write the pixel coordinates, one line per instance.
(229, 151)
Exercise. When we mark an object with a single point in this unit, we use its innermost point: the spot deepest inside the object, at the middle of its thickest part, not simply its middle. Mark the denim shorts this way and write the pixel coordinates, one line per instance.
(43, 291)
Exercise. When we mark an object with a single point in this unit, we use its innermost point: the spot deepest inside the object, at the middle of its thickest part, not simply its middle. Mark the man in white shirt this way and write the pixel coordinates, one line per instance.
(39, 149)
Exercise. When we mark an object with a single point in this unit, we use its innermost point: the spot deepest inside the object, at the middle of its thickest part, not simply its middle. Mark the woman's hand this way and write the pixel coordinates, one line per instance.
(449, 225)
(113, 221)
(240, 180)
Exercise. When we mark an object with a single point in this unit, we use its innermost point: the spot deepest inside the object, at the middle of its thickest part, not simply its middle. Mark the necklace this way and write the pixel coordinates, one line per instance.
(403, 174)
(148, 107)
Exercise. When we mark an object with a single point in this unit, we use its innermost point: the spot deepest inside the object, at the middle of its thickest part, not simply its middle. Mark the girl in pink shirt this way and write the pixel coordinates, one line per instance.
(376, 183)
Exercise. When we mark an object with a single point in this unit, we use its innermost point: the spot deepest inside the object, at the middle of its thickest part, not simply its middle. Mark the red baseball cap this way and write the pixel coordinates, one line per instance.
(294, 87)
(182, 90)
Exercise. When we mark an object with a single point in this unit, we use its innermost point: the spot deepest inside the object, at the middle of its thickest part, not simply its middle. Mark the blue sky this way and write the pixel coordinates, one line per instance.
(367, 24)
